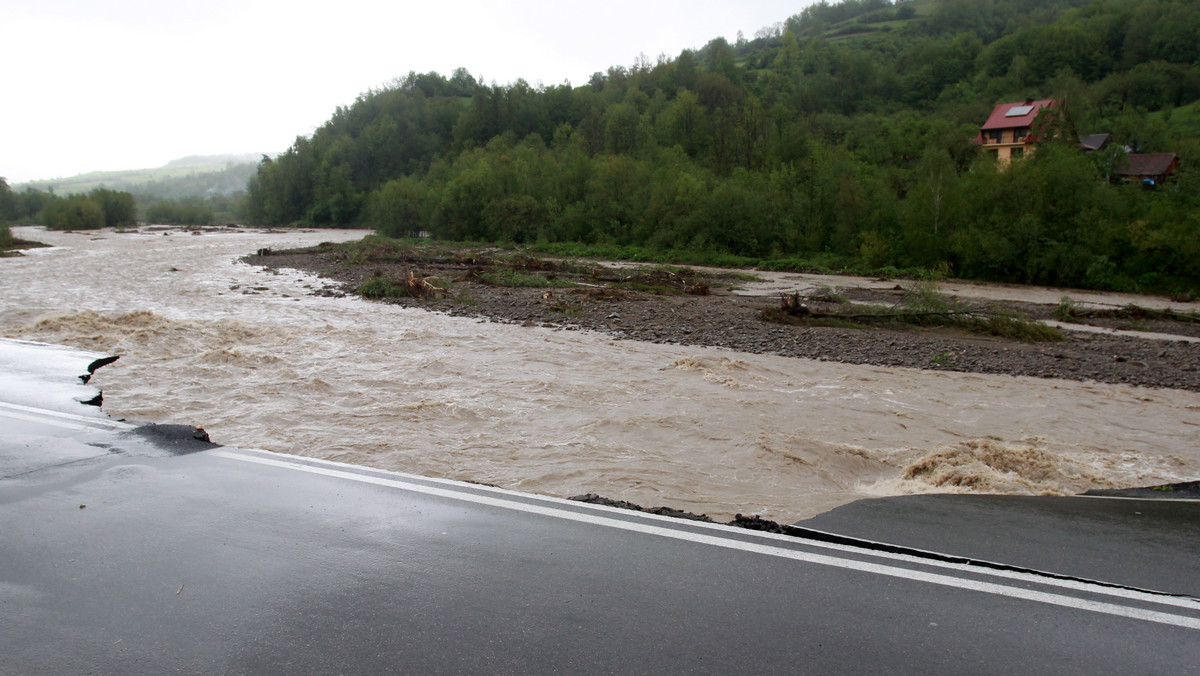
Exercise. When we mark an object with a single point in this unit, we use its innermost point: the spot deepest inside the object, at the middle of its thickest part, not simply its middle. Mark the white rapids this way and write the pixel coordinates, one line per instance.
(259, 361)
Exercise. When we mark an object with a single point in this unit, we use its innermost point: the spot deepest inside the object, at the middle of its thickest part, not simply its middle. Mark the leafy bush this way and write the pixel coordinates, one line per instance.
(381, 287)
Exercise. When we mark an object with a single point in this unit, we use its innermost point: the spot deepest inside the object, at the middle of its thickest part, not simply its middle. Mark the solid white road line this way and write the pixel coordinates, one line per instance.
(780, 552)
(59, 418)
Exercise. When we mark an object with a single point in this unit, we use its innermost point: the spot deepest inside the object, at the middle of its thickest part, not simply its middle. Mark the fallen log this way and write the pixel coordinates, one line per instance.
(420, 287)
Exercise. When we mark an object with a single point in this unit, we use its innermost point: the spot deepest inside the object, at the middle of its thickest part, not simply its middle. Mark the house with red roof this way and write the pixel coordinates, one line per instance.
(1008, 132)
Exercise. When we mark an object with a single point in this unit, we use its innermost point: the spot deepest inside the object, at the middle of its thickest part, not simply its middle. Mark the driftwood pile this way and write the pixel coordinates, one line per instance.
(420, 287)
(792, 304)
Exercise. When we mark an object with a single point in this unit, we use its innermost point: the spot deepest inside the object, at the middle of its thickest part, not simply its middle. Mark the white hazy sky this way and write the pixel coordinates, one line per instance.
(93, 85)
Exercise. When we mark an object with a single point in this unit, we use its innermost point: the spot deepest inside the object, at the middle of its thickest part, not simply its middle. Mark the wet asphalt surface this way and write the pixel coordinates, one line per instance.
(133, 549)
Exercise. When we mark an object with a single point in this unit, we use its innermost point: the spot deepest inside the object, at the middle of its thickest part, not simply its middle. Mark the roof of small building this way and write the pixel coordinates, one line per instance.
(1094, 141)
(1019, 114)
(1149, 164)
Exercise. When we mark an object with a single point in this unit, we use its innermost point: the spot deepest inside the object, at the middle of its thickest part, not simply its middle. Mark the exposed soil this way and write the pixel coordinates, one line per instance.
(675, 313)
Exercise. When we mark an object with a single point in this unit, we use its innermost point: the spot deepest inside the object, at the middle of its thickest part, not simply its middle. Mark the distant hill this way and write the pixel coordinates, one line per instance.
(193, 176)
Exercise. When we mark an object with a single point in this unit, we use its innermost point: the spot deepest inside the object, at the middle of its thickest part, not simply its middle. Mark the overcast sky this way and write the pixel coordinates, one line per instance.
(128, 84)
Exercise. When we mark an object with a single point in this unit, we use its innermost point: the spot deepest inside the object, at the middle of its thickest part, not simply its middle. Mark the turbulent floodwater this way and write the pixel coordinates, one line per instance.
(259, 362)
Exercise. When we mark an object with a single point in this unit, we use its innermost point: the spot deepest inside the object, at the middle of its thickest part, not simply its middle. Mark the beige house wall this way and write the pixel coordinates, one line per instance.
(1007, 144)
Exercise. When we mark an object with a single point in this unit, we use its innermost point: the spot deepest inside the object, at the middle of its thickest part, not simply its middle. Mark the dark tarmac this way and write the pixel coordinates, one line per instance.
(1152, 544)
(138, 550)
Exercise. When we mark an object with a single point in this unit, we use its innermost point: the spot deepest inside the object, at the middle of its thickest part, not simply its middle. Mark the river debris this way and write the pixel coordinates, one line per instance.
(1070, 311)
(410, 285)
(921, 306)
(573, 296)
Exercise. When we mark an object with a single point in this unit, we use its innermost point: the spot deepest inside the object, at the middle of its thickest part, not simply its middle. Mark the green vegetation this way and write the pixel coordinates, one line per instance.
(923, 306)
(188, 191)
(110, 208)
(98, 209)
(382, 287)
(8, 201)
(1067, 310)
(840, 139)
(398, 265)
(10, 211)
(7, 213)
(185, 211)
(516, 278)
(942, 359)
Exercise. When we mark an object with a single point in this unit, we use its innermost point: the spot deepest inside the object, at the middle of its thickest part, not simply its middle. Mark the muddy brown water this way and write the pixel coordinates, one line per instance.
(260, 362)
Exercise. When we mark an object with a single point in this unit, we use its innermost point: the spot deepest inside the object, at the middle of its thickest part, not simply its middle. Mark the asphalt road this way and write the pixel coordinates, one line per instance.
(1152, 544)
(146, 550)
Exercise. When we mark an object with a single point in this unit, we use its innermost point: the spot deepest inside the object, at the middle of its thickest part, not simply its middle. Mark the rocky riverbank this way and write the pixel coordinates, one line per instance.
(676, 305)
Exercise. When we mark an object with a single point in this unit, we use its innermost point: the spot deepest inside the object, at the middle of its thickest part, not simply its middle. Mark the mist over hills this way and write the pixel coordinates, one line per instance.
(192, 176)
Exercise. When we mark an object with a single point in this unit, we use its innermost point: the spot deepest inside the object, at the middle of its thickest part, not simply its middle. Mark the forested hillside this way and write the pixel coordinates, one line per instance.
(843, 134)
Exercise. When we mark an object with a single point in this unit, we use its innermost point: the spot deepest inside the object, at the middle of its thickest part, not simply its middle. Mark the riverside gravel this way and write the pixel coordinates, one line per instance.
(730, 321)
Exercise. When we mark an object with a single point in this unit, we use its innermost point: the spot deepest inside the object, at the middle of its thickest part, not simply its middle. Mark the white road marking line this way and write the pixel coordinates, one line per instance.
(53, 422)
(768, 550)
(1045, 580)
(57, 417)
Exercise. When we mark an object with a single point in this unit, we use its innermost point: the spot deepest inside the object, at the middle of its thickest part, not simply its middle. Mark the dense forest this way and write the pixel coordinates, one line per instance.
(100, 208)
(841, 136)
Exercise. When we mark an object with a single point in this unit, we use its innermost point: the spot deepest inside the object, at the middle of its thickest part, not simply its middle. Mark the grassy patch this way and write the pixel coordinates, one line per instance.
(568, 308)
(923, 306)
(648, 288)
(660, 280)
(639, 254)
(382, 287)
(1014, 326)
(515, 278)
(1067, 310)
(412, 285)
(376, 249)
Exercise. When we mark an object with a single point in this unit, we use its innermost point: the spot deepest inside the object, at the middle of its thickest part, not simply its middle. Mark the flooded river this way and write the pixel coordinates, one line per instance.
(260, 362)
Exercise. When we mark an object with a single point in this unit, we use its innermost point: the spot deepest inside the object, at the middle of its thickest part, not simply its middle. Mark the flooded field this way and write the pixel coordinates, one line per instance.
(259, 361)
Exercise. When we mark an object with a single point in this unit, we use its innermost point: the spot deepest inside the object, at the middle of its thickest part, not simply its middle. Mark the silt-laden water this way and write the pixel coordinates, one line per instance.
(260, 362)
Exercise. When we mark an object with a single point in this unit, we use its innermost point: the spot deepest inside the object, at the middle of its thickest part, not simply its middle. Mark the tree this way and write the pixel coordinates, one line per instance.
(74, 212)
(8, 202)
(120, 209)
(848, 136)
(398, 208)
(186, 211)
(622, 129)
